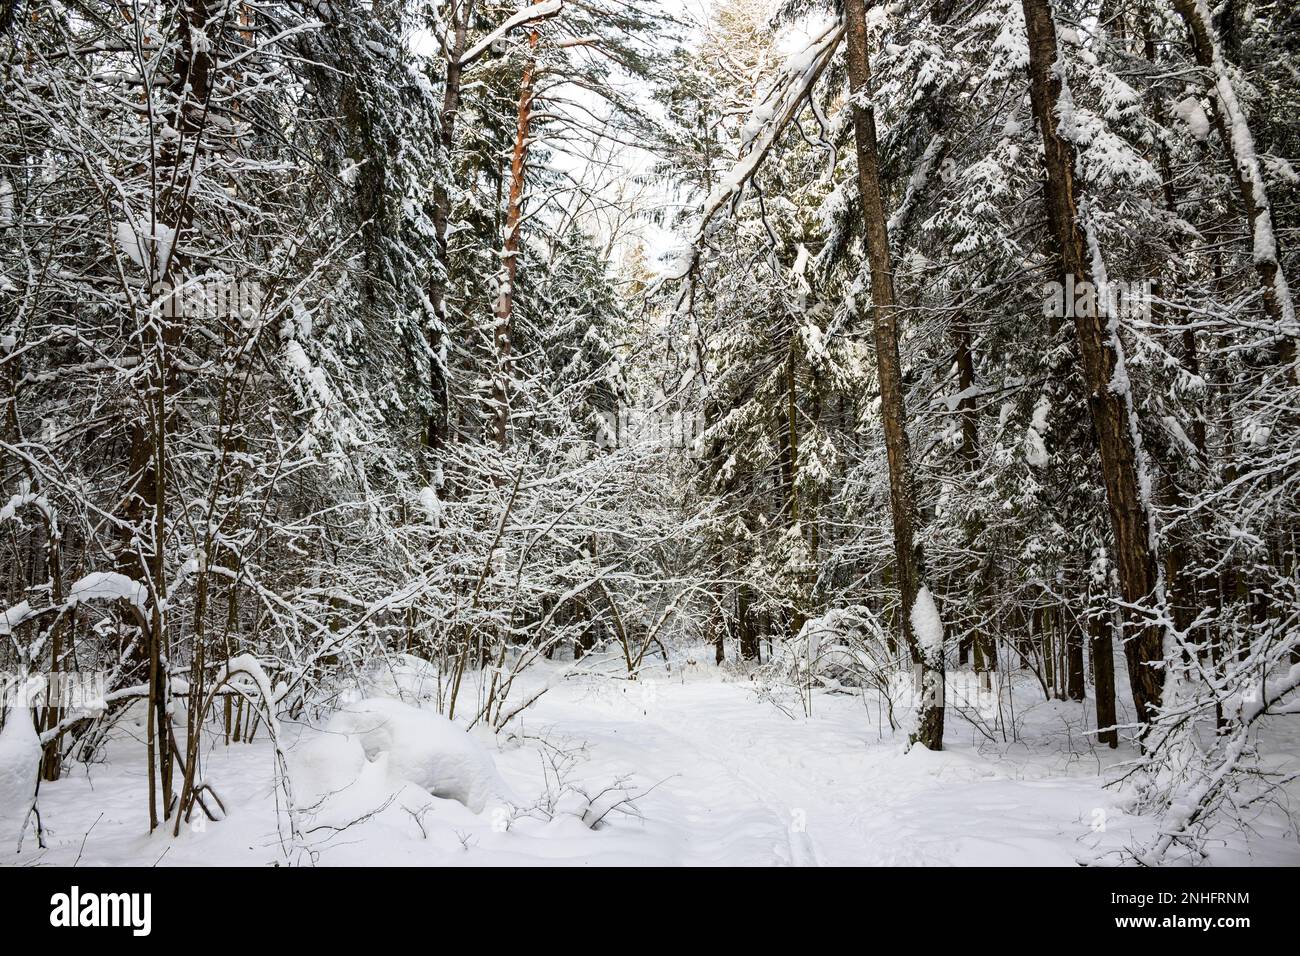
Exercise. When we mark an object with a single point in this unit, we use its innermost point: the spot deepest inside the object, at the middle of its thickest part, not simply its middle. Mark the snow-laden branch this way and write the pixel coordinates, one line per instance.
(769, 119)
(538, 11)
(96, 586)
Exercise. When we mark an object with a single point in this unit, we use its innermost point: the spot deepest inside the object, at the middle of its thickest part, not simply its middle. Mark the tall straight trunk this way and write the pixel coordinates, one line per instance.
(966, 406)
(884, 320)
(504, 308)
(746, 625)
(969, 437)
(1230, 122)
(1103, 677)
(1186, 593)
(1101, 355)
(436, 433)
(159, 652)
(981, 640)
(790, 439)
(788, 424)
(460, 17)
(1075, 689)
(193, 68)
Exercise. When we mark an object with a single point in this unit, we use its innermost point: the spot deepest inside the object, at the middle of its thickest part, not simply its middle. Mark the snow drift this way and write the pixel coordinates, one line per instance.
(424, 748)
(20, 754)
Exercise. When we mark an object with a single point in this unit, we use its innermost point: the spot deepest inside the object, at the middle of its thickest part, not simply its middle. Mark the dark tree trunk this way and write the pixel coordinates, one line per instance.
(1074, 662)
(437, 432)
(1135, 557)
(1103, 677)
(980, 640)
(884, 315)
(746, 625)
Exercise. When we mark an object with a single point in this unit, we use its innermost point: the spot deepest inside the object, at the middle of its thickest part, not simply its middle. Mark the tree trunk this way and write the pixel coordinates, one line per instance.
(789, 444)
(504, 308)
(1100, 350)
(980, 641)
(1074, 661)
(745, 625)
(908, 558)
(436, 434)
(1230, 122)
(1103, 677)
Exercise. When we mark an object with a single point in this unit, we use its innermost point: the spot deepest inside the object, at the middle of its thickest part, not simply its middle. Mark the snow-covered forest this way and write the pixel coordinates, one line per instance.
(743, 432)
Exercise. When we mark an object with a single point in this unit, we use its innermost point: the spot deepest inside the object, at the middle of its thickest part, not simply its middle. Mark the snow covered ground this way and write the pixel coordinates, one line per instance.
(685, 767)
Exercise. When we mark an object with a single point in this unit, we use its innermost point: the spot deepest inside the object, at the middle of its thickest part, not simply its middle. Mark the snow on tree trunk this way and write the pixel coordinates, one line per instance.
(1234, 129)
(893, 411)
(1109, 400)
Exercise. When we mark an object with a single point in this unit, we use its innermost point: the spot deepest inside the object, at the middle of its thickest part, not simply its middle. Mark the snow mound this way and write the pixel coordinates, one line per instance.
(844, 647)
(326, 765)
(424, 748)
(20, 754)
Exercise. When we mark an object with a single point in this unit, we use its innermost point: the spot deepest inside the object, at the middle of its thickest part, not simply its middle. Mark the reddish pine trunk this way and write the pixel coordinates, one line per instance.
(510, 250)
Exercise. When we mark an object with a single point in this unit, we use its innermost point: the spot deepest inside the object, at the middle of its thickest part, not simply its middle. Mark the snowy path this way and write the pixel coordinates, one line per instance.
(721, 777)
(727, 803)
(739, 782)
